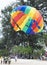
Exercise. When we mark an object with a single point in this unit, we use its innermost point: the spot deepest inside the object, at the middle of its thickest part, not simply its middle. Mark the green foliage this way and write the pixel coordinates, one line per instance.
(45, 38)
(42, 51)
(4, 52)
(12, 38)
(21, 49)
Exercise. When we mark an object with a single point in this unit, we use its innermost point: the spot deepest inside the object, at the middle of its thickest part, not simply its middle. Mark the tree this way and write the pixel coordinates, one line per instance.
(26, 51)
(45, 38)
(12, 37)
(8, 32)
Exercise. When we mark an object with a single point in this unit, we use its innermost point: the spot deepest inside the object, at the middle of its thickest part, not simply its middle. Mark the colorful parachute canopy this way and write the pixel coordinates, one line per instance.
(27, 19)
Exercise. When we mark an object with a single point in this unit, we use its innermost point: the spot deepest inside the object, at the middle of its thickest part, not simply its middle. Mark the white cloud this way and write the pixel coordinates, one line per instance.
(1, 35)
(46, 28)
(5, 2)
(0, 25)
